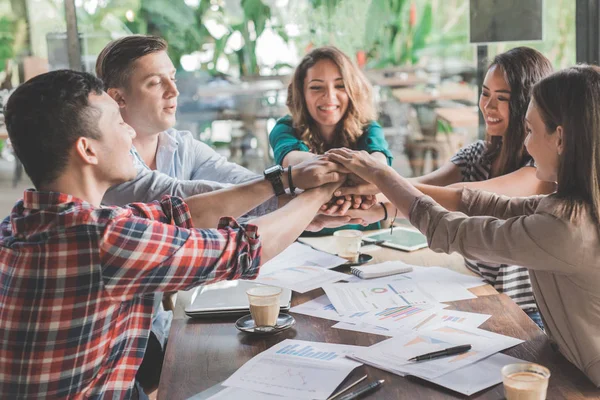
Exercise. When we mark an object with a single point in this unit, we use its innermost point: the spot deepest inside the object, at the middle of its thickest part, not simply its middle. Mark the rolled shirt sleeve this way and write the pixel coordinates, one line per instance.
(153, 248)
(373, 140)
(283, 140)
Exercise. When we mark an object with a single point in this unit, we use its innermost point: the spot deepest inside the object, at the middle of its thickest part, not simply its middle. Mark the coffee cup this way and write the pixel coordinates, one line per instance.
(264, 304)
(525, 381)
(347, 242)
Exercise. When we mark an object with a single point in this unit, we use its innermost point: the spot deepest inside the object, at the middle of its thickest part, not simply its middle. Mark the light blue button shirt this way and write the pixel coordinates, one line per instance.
(184, 167)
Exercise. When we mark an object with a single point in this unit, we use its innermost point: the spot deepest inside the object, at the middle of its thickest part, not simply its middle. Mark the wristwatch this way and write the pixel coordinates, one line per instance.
(273, 175)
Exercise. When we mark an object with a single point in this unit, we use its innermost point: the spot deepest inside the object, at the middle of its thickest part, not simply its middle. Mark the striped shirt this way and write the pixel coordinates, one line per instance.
(509, 279)
(77, 284)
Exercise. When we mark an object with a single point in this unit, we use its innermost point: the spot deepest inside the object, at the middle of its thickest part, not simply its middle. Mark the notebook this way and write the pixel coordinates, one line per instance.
(379, 270)
(402, 239)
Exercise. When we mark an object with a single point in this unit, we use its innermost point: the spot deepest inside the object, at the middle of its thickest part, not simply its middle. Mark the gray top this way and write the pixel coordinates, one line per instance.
(184, 167)
(562, 255)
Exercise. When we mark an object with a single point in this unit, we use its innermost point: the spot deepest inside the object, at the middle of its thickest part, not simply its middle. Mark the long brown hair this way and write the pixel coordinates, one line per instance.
(522, 68)
(360, 112)
(571, 99)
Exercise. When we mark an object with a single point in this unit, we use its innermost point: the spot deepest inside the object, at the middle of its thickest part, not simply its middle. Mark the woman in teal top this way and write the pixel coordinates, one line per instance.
(331, 106)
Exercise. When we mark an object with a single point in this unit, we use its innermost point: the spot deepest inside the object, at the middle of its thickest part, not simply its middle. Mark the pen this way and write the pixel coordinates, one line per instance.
(443, 353)
(371, 387)
(347, 387)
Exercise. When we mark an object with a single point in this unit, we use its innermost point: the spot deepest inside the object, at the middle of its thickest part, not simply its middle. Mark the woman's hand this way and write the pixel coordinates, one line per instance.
(326, 221)
(370, 216)
(359, 163)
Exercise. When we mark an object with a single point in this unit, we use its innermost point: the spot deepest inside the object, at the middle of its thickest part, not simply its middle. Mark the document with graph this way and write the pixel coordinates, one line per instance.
(296, 368)
(393, 354)
(363, 297)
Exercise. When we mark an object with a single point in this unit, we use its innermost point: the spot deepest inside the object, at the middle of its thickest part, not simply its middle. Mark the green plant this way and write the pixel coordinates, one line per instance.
(393, 35)
(7, 41)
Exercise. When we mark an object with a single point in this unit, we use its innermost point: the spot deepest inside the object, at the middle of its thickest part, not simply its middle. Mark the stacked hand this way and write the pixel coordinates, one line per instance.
(317, 172)
(360, 163)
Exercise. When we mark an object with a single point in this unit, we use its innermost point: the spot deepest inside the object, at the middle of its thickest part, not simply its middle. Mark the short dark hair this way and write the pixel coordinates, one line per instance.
(115, 62)
(46, 115)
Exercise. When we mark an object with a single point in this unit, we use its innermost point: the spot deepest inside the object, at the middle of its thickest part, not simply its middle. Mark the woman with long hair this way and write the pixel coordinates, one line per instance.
(557, 237)
(499, 164)
(331, 106)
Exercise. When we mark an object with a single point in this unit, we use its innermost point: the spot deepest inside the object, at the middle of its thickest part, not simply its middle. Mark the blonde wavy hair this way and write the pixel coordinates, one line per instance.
(360, 112)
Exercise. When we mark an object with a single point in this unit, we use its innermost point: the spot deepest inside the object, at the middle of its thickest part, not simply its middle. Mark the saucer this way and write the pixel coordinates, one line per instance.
(246, 324)
(362, 259)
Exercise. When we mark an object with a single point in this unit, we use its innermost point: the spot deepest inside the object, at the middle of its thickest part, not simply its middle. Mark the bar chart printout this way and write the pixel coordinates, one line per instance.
(307, 352)
(297, 369)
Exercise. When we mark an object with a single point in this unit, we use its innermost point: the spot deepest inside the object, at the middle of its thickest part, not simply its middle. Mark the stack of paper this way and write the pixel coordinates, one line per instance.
(300, 279)
(301, 268)
(297, 255)
(393, 354)
(297, 369)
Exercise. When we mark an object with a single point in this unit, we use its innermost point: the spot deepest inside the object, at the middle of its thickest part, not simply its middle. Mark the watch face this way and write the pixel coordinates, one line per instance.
(273, 169)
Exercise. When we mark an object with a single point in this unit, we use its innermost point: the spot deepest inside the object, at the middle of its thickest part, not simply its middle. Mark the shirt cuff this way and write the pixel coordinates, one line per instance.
(249, 260)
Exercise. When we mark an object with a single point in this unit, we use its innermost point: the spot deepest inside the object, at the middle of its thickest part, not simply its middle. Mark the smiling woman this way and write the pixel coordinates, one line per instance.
(331, 106)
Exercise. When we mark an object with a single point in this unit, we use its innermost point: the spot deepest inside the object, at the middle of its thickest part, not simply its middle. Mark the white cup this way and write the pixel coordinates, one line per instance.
(347, 242)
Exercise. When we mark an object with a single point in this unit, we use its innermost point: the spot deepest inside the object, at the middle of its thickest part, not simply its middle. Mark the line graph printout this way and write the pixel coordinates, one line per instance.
(361, 297)
(296, 368)
(393, 354)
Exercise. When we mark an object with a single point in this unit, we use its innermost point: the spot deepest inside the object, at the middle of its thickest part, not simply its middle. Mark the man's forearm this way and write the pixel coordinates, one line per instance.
(280, 228)
(208, 208)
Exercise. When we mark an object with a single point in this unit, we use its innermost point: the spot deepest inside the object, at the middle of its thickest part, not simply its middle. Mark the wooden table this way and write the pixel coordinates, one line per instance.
(459, 117)
(201, 354)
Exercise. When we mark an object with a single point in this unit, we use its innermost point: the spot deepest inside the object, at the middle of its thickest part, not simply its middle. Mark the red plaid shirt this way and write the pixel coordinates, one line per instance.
(76, 286)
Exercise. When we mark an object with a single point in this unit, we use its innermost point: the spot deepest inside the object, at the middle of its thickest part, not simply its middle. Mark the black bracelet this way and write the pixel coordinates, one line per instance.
(290, 183)
(385, 215)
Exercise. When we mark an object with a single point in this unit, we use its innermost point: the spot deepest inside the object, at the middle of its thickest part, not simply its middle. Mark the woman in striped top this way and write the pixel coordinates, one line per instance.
(498, 164)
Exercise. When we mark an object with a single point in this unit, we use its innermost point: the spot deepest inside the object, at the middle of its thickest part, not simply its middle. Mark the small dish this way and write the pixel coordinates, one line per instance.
(362, 259)
(246, 324)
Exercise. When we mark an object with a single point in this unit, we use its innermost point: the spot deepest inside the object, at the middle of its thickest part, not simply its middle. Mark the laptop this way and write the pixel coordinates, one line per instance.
(227, 298)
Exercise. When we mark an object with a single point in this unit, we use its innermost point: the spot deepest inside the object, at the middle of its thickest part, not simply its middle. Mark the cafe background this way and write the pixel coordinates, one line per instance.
(234, 59)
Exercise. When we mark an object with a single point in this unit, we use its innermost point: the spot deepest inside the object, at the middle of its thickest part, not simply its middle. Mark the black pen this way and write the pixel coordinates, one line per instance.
(443, 353)
(371, 387)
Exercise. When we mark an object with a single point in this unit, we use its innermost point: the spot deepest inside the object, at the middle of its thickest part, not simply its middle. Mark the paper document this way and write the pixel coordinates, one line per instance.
(428, 319)
(320, 307)
(441, 274)
(300, 279)
(364, 297)
(393, 354)
(297, 255)
(363, 327)
(442, 317)
(237, 393)
(478, 376)
(296, 368)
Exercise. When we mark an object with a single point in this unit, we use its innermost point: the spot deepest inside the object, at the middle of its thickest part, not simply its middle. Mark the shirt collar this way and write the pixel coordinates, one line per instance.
(39, 200)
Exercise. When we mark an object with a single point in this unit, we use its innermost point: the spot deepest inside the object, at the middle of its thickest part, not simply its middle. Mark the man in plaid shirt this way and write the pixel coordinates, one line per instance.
(77, 279)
